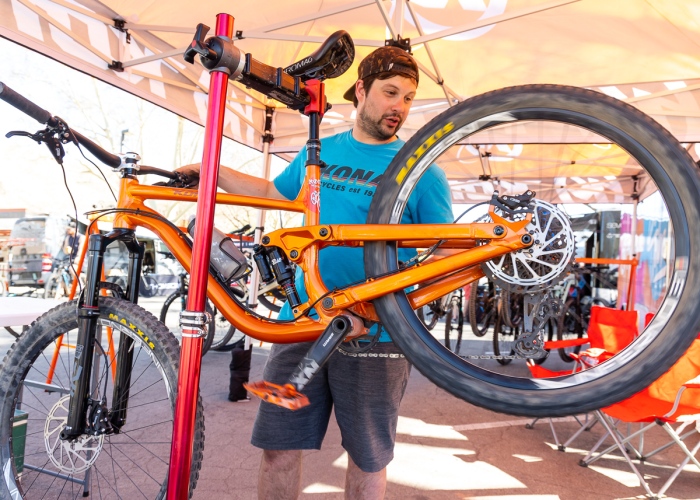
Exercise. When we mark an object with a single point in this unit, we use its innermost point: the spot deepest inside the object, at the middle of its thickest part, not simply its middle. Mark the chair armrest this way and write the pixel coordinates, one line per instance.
(693, 383)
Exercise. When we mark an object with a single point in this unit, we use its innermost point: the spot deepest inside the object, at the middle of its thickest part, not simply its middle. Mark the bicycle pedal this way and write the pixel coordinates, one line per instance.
(285, 395)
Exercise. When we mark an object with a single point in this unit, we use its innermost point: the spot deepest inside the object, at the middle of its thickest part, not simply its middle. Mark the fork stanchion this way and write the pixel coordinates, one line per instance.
(191, 352)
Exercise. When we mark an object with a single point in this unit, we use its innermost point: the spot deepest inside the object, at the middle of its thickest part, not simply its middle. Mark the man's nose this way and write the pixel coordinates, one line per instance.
(399, 107)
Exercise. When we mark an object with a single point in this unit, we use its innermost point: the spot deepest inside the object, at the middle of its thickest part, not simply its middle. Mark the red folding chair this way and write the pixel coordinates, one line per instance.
(609, 331)
(673, 398)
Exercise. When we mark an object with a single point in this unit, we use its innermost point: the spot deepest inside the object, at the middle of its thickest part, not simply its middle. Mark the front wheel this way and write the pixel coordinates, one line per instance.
(35, 384)
(618, 154)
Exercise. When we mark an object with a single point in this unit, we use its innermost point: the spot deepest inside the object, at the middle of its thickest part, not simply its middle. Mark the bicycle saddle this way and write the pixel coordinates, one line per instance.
(332, 59)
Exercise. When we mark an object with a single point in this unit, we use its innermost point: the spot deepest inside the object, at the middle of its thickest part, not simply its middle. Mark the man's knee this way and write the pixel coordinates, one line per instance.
(282, 458)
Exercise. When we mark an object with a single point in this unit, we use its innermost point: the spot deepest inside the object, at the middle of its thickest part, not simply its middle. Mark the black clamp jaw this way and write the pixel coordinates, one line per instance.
(218, 53)
(513, 205)
(291, 85)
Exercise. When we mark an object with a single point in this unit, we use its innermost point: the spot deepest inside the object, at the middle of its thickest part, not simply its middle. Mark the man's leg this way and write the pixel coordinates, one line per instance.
(280, 475)
(282, 433)
(367, 392)
(361, 485)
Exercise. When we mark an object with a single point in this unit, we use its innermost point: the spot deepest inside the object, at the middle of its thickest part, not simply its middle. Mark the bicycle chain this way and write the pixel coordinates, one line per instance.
(392, 355)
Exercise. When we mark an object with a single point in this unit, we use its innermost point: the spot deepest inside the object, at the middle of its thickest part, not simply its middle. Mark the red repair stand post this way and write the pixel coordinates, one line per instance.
(191, 352)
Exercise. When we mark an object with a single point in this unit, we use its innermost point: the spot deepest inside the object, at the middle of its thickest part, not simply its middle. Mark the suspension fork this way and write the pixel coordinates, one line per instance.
(88, 315)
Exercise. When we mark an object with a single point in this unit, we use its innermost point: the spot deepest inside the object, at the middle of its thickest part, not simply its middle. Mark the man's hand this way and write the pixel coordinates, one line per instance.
(192, 173)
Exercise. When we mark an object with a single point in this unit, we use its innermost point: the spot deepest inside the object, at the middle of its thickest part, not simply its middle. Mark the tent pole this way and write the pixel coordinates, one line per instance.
(633, 273)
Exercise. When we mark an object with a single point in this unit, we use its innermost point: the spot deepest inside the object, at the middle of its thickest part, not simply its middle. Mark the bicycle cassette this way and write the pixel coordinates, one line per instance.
(546, 261)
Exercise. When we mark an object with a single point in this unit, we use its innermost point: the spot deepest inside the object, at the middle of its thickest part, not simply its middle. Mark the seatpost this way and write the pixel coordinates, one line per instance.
(192, 336)
(315, 110)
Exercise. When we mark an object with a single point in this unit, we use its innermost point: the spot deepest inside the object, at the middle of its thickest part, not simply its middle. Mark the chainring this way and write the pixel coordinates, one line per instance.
(549, 258)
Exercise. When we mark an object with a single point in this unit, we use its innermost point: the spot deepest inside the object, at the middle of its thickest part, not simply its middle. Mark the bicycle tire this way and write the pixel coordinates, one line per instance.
(268, 304)
(224, 331)
(670, 168)
(50, 287)
(453, 308)
(511, 309)
(173, 322)
(570, 325)
(431, 319)
(503, 341)
(479, 321)
(137, 457)
(148, 286)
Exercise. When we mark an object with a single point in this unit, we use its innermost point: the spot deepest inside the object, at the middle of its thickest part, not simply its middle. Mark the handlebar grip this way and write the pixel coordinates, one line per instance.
(23, 104)
(145, 170)
(104, 156)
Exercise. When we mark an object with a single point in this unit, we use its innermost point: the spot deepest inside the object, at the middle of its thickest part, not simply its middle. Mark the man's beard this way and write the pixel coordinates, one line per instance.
(374, 128)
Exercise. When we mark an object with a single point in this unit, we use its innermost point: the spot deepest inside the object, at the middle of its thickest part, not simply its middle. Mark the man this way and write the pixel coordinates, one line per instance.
(365, 391)
(71, 242)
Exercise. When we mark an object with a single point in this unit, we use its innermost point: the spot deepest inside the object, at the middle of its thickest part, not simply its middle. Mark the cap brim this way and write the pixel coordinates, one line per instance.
(349, 94)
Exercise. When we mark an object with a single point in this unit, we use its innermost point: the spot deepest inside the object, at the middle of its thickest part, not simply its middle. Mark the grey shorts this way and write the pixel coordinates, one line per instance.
(366, 393)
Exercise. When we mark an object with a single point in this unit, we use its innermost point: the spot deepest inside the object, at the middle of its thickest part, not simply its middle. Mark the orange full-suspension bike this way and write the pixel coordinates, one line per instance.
(115, 435)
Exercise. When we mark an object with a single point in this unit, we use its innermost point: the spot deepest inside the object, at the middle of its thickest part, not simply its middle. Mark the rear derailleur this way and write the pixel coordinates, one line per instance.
(539, 307)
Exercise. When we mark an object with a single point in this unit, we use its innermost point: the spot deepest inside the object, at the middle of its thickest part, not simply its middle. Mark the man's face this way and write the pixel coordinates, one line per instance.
(382, 110)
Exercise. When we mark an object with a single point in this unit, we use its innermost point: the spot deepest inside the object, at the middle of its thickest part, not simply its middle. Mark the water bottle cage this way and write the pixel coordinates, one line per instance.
(196, 321)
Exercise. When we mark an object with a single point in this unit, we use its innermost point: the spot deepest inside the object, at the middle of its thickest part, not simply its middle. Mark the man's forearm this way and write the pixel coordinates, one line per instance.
(235, 182)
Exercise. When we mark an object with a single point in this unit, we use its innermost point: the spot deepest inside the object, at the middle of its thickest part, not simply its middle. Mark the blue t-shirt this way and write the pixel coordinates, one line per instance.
(348, 183)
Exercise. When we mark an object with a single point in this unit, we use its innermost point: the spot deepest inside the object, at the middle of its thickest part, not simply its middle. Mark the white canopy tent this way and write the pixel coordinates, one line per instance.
(641, 52)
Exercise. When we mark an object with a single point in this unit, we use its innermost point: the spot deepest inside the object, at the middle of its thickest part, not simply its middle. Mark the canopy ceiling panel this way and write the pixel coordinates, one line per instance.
(643, 52)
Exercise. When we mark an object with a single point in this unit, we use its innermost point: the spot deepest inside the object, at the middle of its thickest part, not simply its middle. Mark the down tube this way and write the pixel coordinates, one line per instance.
(303, 330)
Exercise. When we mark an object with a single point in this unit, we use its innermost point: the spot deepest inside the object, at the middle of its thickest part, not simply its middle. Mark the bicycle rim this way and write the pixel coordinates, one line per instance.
(644, 151)
(130, 464)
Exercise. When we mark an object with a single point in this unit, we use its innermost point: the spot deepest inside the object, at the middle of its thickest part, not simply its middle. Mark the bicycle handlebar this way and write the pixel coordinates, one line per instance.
(23, 104)
(109, 159)
(42, 116)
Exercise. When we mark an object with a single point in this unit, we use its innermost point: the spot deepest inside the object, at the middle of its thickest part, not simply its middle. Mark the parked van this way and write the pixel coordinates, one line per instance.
(33, 244)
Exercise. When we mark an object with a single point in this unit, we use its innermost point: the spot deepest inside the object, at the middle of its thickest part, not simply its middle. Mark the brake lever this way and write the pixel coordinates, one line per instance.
(47, 137)
(36, 137)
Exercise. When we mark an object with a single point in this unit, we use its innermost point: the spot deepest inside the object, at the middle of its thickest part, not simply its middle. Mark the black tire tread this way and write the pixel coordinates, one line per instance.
(16, 363)
(675, 174)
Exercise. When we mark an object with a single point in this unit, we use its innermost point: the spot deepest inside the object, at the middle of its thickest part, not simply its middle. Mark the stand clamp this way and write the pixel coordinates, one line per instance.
(195, 321)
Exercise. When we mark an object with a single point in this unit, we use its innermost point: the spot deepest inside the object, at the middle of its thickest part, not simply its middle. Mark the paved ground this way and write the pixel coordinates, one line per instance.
(446, 449)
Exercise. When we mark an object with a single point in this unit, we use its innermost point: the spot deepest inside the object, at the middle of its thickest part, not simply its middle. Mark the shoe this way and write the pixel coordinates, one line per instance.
(244, 400)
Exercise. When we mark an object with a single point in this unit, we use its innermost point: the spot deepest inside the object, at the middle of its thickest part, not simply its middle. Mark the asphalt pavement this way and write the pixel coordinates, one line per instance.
(446, 449)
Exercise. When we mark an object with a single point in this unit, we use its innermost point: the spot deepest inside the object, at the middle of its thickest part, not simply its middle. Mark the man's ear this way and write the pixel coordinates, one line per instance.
(360, 89)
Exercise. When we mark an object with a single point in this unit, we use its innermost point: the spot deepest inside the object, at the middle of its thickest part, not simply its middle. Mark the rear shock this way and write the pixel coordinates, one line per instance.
(273, 263)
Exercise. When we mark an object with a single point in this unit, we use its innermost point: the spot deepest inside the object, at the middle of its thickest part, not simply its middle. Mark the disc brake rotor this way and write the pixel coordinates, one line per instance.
(70, 456)
(546, 261)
